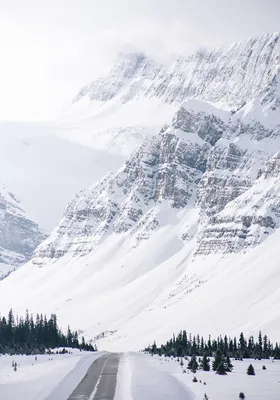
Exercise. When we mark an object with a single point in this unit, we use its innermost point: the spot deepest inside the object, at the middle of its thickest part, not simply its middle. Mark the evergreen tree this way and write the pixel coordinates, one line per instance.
(217, 360)
(229, 366)
(154, 348)
(221, 369)
(205, 363)
(242, 345)
(250, 370)
(193, 365)
(179, 351)
(265, 346)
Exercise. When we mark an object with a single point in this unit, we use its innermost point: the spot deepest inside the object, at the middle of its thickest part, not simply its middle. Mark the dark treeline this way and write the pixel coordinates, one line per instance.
(34, 336)
(188, 345)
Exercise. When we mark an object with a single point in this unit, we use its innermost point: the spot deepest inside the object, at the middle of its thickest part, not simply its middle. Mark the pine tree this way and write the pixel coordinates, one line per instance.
(265, 346)
(180, 351)
(242, 344)
(193, 365)
(154, 347)
(217, 361)
(221, 369)
(229, 366)
(250, 370)
(205, 363)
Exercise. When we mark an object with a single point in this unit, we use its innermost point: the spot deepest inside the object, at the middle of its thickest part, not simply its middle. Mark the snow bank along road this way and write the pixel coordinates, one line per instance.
(45, 377)
(100, 380)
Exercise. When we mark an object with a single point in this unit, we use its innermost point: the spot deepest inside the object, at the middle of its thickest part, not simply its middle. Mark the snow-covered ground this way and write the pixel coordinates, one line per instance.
(156, 378)
(51, 377)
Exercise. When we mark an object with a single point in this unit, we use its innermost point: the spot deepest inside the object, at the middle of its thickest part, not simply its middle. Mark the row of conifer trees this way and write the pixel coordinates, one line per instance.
(188, 345)
(27, 335)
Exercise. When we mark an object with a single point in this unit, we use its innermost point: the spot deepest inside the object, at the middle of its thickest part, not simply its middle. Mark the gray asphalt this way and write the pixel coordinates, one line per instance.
(100, 380)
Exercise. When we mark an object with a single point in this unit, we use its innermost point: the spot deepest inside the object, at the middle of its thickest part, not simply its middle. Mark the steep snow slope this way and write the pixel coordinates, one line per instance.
(19, 236)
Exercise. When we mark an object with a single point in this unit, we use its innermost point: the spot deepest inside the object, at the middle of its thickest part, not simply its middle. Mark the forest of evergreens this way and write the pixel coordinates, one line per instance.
(189, 345)
(31, 335)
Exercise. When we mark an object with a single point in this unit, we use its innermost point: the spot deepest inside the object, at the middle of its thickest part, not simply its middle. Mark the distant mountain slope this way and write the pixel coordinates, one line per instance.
(138, 95)
(229, 76)
(19, 236)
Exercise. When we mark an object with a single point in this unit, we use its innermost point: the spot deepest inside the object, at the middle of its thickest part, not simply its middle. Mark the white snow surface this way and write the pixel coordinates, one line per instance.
(141, 377)
(51, 377)
(153, 378)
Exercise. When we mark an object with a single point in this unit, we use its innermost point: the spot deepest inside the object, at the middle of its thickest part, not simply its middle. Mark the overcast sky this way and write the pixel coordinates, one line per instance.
(50, 48)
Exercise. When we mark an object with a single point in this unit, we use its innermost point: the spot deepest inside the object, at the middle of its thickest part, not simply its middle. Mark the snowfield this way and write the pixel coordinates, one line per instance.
(156, 378)
(51, 377)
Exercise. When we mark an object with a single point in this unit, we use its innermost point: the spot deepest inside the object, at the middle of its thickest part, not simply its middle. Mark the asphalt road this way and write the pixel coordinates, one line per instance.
(100, 380)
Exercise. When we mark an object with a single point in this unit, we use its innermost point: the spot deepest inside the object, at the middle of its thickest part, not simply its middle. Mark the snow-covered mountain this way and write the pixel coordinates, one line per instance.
(166, 167)
(230, 76)
(184, 234)
(140, 94)
(19, 236)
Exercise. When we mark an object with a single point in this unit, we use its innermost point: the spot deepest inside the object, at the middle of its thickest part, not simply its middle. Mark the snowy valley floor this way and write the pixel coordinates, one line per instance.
(156, 378)
(140, 376)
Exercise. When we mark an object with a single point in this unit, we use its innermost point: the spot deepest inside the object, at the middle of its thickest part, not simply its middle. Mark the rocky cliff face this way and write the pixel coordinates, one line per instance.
(248, 219)
(19, 236)
(167, 167)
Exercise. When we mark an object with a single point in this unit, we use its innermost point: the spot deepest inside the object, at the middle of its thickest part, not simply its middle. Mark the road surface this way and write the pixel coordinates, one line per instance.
(100, 380)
